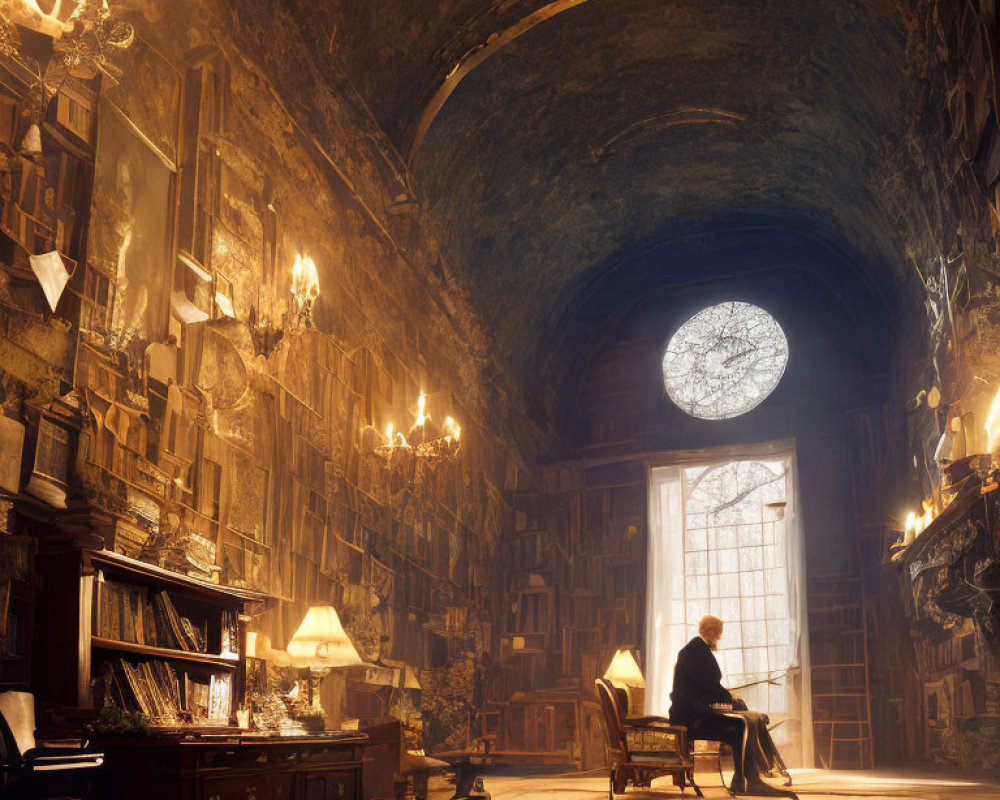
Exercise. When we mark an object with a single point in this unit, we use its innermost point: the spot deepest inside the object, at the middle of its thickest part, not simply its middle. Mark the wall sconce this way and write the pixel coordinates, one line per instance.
(305, 290)
(624, 672)
(263, 334)
(82, 35)
(425, 439)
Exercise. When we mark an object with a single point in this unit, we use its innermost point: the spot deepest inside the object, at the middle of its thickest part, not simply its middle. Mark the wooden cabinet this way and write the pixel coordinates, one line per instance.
(331, 786)
(236, 768)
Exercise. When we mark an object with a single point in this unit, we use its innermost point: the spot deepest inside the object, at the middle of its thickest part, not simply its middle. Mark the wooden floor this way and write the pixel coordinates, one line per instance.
(811, 784)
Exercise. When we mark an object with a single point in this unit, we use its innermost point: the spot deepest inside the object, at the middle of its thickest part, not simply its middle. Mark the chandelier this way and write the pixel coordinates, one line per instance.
(424, 440)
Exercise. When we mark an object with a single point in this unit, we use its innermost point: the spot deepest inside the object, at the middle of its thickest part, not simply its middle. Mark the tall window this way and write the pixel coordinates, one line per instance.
(721, 544)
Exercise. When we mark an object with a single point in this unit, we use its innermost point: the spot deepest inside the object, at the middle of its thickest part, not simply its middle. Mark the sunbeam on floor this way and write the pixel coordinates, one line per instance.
(814, 784)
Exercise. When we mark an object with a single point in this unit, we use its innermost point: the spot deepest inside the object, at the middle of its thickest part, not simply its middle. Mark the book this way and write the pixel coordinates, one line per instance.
(192, 636)
(230, 635)
(125, 612)
(132, 680)
(156, 689)
(168, 631)
(149, 625)
(197, 698)
(220, 688)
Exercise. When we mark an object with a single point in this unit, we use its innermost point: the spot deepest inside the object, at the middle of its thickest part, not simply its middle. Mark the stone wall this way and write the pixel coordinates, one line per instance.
(938, 668)
(212, 425)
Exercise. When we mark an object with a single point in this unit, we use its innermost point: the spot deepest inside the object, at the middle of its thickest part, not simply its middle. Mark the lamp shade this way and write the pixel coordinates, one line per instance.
(410, 679)
(624, 669)
(321, 641)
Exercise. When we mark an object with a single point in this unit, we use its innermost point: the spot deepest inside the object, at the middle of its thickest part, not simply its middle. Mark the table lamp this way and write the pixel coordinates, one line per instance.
(320, 644)
(624, 672)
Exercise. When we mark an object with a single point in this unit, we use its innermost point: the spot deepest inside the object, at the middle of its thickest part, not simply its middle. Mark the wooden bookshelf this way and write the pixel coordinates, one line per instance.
(170, 645)
(150, 574)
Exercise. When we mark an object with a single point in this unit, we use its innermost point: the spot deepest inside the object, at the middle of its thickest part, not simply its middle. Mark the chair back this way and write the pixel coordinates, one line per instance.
(17, 721)
(607, 696)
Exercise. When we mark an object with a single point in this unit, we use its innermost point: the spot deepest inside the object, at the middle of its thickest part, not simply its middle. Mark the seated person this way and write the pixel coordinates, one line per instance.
(700, 703)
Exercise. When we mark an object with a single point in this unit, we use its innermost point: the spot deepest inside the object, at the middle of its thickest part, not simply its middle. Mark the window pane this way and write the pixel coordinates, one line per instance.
(751, 583)
(751, 558)
(726, 536)
(695, 564)
(696, 539)
(734, 564)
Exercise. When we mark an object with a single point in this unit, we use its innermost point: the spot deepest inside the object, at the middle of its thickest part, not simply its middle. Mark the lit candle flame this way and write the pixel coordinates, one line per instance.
(305, 280)
(452, 430)
(421, 408)
(388, 434)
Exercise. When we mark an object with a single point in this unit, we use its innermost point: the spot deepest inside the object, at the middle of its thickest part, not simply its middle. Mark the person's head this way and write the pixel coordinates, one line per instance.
(710, 629)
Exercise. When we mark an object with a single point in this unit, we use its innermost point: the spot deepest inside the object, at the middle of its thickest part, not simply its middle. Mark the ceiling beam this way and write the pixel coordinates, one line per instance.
(474, 58)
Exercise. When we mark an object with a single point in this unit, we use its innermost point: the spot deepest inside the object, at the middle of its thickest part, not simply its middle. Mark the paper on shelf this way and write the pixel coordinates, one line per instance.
(52, 275)
(186, 311)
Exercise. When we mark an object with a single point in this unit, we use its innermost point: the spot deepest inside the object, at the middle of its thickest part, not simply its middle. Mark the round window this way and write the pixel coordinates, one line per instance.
(724, 360)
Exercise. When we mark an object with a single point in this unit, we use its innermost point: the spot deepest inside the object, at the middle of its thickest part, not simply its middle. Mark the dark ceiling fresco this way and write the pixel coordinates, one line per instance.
(618, 122)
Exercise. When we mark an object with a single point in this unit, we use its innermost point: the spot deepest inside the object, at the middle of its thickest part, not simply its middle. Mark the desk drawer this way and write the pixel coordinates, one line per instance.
(331, 786)
(328, 754)
(251, 787)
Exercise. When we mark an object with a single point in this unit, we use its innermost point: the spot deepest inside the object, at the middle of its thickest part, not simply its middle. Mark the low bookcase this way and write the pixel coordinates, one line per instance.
(147, 639)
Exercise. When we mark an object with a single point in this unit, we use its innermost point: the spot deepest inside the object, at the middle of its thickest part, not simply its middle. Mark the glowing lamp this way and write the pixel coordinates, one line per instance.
(624, 672)
(623, 669)
(321, 643)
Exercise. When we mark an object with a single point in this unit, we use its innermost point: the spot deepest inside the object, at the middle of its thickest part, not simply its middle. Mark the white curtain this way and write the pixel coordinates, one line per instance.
(724, 539)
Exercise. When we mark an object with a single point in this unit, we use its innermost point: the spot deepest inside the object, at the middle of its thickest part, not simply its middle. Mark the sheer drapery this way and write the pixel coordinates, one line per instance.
(724, 540)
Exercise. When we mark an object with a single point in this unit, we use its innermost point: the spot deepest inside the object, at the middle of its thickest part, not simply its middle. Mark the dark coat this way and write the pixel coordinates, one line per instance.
(697, 683)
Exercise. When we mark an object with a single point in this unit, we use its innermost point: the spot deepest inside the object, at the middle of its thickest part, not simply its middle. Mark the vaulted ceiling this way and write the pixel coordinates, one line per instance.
(553, 140)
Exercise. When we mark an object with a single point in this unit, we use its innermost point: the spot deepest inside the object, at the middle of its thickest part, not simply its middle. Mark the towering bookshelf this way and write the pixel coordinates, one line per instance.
(148, 640)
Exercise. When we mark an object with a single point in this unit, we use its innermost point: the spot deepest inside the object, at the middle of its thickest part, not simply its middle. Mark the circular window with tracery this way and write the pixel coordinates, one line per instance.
(725, 360)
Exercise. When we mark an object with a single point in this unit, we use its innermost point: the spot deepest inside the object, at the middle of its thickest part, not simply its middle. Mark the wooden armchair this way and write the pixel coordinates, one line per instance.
(643, 748)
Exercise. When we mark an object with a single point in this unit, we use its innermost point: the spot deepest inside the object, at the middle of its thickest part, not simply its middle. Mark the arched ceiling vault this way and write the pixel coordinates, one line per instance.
(548, 151)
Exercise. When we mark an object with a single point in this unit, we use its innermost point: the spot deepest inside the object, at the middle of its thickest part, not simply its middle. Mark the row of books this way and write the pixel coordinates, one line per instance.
(126, 613)
(163, 694)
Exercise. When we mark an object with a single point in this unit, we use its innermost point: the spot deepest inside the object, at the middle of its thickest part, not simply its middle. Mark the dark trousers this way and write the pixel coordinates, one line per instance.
(719, 728)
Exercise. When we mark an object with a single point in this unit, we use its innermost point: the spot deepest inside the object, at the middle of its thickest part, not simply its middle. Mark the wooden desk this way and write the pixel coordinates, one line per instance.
(232, 768)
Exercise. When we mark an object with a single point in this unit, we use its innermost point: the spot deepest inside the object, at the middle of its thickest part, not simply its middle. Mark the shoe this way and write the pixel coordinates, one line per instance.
(738, 786)
(760, 789)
